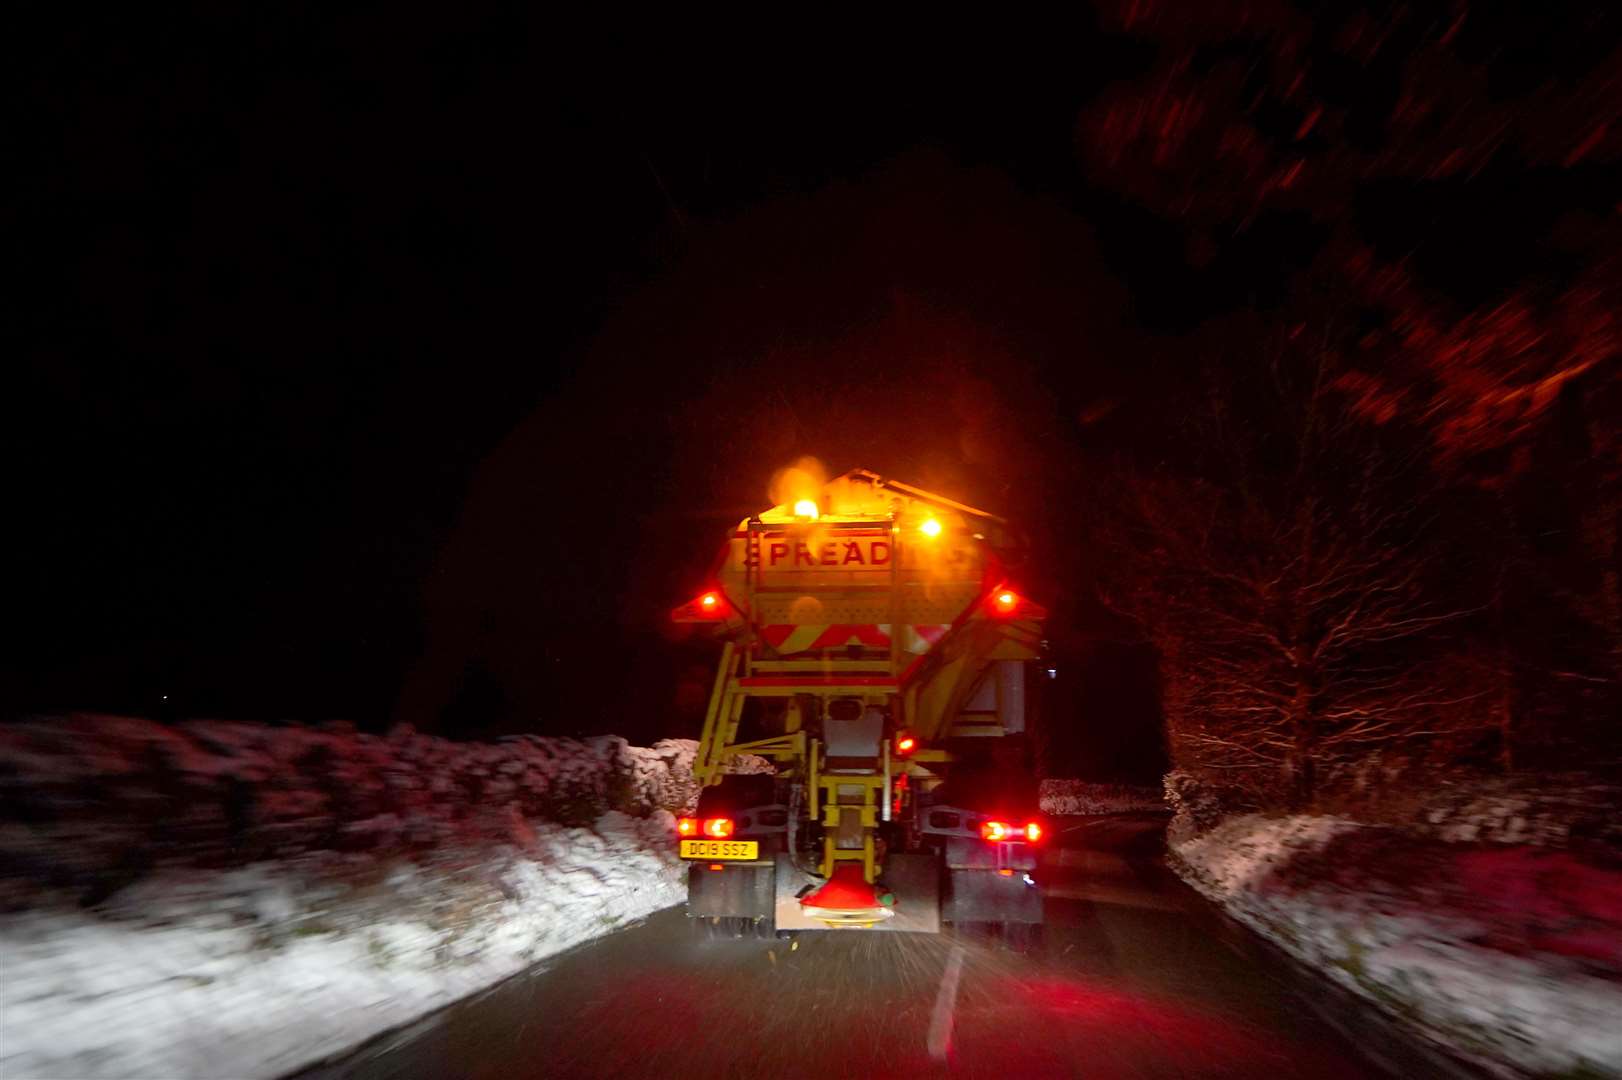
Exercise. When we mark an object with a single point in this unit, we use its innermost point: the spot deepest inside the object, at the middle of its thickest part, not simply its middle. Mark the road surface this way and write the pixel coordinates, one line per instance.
(1135, 978)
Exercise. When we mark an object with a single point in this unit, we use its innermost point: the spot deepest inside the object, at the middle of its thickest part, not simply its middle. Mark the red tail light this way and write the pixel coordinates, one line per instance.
(905, 744)
(999, 832)
(718, 828)
(708, 606)
(686, 826)
(1004, 602)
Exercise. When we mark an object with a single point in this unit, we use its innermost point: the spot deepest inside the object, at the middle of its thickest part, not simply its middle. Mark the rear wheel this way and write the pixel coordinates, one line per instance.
(1022, 937)
(972, 930)
(716, 927)
(734, 928)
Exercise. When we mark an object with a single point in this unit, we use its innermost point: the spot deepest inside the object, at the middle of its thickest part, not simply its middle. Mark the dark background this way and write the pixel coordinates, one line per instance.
(408, 364)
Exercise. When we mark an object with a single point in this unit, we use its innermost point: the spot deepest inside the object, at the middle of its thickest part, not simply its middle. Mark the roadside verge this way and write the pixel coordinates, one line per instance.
(1508, 956)
(223, 899)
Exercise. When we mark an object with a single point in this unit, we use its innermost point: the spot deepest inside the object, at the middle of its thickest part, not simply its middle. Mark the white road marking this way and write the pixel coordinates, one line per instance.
(940, 1022)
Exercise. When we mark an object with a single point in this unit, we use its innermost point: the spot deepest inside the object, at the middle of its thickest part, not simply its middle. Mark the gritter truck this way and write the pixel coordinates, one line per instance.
(876, 649)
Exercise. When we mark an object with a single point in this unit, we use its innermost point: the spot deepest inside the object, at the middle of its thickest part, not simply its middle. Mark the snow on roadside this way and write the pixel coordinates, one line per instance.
(227, 899)
(1081, 797)
(1239, 854)
(1422, 962)
(251, 974)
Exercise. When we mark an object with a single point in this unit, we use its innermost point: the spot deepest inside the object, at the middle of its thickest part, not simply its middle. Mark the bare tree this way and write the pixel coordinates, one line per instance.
(1288, 589)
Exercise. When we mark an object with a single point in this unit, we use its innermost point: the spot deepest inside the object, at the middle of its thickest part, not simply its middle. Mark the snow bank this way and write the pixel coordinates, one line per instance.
(1239, 855)
(224, 899)
(258, 971)
(1441, 937)
(1075, 797)
(89, 804)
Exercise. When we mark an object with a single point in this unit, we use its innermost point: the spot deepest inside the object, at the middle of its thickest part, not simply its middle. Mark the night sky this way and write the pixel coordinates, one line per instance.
(409, 365)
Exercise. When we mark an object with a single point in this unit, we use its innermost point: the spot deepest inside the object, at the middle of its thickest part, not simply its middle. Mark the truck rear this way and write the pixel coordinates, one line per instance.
(876, 648)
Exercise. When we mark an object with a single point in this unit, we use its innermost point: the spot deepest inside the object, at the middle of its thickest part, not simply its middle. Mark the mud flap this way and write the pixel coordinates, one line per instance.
(914, 880)
(736, 890)
(988, 896)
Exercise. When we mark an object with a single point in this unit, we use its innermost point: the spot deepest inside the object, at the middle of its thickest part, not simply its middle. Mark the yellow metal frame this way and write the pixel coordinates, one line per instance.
(833, 810)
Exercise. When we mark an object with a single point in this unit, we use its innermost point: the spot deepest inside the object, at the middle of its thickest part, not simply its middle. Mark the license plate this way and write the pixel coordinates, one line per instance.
(720, 849)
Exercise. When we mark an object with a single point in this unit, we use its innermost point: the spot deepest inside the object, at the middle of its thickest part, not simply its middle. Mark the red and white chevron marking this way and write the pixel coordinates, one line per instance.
(789, 639)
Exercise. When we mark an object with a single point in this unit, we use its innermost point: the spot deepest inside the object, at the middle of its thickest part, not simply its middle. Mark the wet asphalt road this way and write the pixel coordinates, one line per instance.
(1135, 978)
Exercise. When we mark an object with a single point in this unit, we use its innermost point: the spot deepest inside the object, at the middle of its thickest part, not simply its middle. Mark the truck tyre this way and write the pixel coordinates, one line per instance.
(1022, 938)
